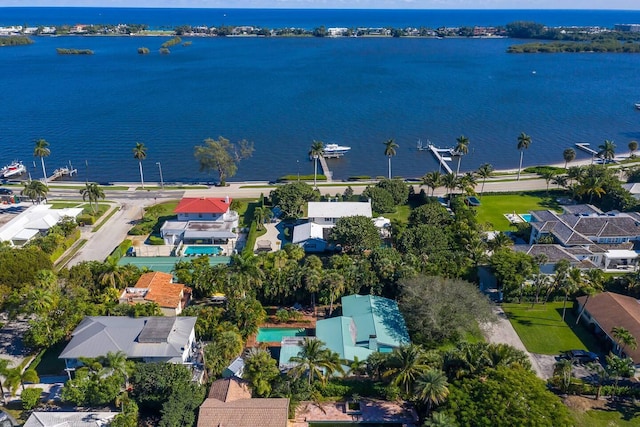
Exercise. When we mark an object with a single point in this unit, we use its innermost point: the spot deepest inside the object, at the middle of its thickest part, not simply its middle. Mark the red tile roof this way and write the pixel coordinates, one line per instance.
(203, 205)
(162, 291)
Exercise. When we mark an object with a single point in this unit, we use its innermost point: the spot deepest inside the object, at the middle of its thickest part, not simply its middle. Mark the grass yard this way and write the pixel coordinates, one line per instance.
(604, 418)
(400, 215)
(603, 413)
(542, 330)
(494, 206)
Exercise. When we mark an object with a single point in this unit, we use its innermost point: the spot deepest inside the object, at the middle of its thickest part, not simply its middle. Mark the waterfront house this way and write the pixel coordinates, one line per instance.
(158, 287)
(608, 310)
(606, 239)
(229, 403)
(146, 339)
(202, 221)
(32, 222)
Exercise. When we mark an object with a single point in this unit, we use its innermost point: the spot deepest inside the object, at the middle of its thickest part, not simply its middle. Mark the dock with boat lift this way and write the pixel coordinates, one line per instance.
(437, 153)
(63, 171)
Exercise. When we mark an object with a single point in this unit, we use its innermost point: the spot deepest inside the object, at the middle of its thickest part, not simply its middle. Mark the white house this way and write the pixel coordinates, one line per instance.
(149, 339)
(202, 220)
(35, 220)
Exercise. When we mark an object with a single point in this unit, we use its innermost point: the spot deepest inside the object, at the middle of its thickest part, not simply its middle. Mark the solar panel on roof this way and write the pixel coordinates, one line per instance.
(156, 330)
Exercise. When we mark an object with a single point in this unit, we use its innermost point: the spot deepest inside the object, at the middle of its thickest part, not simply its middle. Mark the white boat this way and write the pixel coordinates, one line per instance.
(14, 169)
(637, 104)
(335, 150)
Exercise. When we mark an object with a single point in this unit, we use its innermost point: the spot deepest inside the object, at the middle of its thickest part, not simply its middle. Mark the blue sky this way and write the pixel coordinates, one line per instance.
(346, 4)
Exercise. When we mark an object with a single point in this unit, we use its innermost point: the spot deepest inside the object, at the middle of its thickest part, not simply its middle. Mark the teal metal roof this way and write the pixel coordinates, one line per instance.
(377, 316)
(338, 335)
(165, 264)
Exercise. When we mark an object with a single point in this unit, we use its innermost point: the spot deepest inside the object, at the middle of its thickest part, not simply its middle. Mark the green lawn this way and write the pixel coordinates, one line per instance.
(400, 215)
(542, 330)
(494, 207)
(606, 418)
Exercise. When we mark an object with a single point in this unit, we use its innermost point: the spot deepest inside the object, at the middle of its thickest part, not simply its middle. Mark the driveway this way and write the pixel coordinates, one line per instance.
(502, 332)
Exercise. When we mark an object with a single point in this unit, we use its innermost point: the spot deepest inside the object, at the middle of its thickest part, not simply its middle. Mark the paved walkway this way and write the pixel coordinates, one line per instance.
(272, 235)
(502, 332)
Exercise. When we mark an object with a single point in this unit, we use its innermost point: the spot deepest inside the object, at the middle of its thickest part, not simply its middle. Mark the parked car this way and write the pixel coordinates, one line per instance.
(6, 191)
(580, 356)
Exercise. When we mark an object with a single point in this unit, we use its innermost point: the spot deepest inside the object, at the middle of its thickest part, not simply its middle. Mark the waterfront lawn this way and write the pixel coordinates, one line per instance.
(543, 331)
(153, 218)
(401, 214)
(494, 206)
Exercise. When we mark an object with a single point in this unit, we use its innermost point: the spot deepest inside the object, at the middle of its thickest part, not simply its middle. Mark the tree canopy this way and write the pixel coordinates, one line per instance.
(355, 234)
(222, 156)
(290, 198)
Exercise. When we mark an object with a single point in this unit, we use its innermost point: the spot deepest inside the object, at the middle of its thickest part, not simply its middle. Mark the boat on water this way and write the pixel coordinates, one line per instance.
(14, 169)
(637, 105)
(335, 150)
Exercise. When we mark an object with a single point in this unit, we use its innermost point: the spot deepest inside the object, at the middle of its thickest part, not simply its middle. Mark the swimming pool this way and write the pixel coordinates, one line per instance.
(525, 217)
(276, 334)
(202, 250)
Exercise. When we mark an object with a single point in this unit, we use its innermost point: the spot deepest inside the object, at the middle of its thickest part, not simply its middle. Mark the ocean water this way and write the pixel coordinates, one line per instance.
(283, 93)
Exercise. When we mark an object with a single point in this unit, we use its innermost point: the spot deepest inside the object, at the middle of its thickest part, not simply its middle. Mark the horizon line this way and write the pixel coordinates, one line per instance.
(311, 8)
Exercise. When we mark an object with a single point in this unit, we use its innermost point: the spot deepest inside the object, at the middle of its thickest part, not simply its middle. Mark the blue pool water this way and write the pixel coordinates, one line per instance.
(203, 250)
(525, 217)
(276, 334)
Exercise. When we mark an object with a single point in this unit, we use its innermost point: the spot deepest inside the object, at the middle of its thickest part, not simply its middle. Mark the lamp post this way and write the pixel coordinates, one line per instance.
(161, 180)
(298, 163)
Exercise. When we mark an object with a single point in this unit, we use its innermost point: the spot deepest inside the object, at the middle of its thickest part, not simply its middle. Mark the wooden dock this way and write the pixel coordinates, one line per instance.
(63, 171)
(584, 146)
(325, 168)
(437, 153)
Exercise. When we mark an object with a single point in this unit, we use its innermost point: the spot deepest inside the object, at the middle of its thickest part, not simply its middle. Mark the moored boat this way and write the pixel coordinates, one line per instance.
(14, 169)
(335, 150)
(637, 105)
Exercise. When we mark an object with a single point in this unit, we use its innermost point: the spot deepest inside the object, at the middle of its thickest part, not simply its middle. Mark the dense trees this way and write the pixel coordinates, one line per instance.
(355, 234)
(290, 198)
(222, 156)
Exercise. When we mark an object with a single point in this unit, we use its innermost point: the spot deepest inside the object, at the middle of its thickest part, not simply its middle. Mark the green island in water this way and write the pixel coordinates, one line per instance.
(15, 41)
(62, 51)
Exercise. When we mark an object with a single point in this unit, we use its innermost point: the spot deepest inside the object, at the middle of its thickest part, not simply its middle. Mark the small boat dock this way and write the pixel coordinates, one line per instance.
(63, 171)
(584, 146)
(442, 156)
(325, 167)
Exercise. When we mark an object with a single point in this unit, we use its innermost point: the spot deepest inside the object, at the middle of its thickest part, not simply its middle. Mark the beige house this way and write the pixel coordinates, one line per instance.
(157, 287)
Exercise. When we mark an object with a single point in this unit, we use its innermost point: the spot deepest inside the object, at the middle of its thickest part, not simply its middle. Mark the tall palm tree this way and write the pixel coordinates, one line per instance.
(140, 153)
(432, 180)
(4, 369)
(484, 171)
(633, 146)
(564, 370)
(112, 274)
(462, 148)
(624, 338)
(571, 284)
(390, 151)
(591, 186)
(524, 141)
(569, 155)
(92, 192)
(317, 150)
(467, 183)
(405, 364)
(548, 175)
(118, 364)
(42, 150)
(450, 182)
(594, 284)
(607, 150)
(432, 388)
(17, 377)
(35, 191)
(439, 419)
(313, 359)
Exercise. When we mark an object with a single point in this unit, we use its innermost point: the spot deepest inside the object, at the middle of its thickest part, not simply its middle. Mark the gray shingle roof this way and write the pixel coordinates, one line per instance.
(163, 337)
(70, 419)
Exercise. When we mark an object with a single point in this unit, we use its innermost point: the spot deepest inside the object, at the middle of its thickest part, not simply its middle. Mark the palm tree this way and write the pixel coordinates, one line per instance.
(334, 282)
(17, 376)
(569, 154)
(467, 183)
(432, 180)
(462, 148)
(119, 365)
(439, 419)
(313, 358)
(4, 369)
(607, 150)
(524, 141)
(633, 146)
(405, 364)
(35, 190)
(591, 186)
(390, 151)
(317, 150)
(432, 387)
(112, 274)
(594, 284)
(92, 192)
(140, 153)
(624, 338)
(564, 370)
(484, 171)
(42, 150)
(548, 175)
(570, 284)
(450, 182)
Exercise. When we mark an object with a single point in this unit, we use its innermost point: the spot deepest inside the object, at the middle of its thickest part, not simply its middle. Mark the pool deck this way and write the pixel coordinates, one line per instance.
(371, 410)
(308, 321)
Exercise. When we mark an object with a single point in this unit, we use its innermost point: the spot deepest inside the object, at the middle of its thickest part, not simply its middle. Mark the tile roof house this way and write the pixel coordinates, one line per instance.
(35, 220)
(368, 324)
(230, 404)
(608, 310)
(602, 238)
(149, 339)
(157, 287)
(202, 220)
(69, 419)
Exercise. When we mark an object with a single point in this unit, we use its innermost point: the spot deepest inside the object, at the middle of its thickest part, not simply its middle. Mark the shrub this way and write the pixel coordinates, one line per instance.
(251, 238)
(122, 248)
(291, 178)
(155, 240)
(542, 169)
(86, 219)
(30, 398)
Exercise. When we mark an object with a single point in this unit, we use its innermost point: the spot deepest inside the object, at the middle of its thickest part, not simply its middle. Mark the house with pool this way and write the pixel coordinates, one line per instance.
(204, 226)
(158, 287)
(583, 234)
(368, 324)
